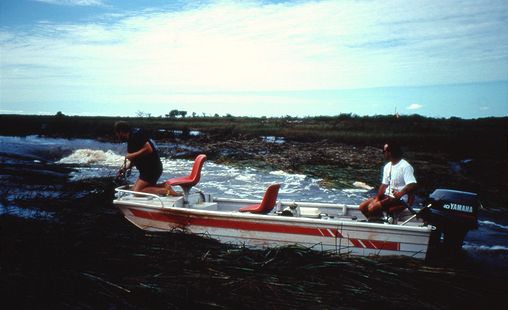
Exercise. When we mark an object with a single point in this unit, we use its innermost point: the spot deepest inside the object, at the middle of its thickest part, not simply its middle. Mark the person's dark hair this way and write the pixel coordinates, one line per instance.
(122, 126)
(395, 149)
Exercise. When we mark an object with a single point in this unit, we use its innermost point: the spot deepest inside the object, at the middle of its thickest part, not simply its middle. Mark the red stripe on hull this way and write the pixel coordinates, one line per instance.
(384, 245)
(185, 220)
(356, 243)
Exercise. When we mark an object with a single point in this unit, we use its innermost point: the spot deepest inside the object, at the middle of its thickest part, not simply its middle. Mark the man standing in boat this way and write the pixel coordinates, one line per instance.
(142, 153)
(397, 186)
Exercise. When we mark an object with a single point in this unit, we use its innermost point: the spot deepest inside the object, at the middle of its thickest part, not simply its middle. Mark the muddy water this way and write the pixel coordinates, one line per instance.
(63, 245)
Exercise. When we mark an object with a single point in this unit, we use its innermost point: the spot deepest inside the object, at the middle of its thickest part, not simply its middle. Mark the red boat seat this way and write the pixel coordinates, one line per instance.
(186, 183)
(268, 202)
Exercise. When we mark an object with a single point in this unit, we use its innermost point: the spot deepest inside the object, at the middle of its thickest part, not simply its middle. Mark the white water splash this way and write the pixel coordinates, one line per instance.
(225, 181)
(93, 157)
(284, 173)
(219, 180)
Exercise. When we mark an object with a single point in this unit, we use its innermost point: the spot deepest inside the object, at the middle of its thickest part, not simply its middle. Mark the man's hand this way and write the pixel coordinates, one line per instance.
(397, 195)
(123, 169)
(409, 188)
(121, 172)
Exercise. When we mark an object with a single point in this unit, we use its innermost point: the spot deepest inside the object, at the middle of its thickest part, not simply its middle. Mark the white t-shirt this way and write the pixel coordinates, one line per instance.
(397, 176)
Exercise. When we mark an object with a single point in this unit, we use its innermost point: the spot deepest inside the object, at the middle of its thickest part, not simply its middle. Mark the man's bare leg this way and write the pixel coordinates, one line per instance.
(162, 189)
(364, 206)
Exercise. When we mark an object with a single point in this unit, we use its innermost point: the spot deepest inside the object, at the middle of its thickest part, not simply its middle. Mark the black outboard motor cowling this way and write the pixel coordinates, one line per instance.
(453, 213)
(451, 207)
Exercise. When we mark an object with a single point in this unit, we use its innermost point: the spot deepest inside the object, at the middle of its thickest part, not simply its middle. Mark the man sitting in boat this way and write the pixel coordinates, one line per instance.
(397, 185)
(142, 153)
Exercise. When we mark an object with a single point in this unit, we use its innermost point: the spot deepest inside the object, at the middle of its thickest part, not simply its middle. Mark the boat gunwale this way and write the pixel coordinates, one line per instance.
(289, 203)
(269, 217)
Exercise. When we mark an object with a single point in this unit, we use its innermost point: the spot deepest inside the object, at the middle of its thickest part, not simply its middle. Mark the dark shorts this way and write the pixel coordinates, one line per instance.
(388, 202)
(151, 174)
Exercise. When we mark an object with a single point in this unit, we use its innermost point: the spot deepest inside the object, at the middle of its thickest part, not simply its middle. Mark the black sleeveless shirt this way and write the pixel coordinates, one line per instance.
(137, 139)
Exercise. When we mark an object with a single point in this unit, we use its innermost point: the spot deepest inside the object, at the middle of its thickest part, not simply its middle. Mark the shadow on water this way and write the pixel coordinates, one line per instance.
(86, 255)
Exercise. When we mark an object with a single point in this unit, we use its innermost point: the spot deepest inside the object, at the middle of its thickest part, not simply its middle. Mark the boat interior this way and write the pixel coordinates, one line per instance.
(269, 205)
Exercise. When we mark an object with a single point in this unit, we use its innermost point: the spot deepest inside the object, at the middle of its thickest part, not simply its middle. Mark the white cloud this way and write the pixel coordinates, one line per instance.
(73, 2)
(11, 111)
(414, 106)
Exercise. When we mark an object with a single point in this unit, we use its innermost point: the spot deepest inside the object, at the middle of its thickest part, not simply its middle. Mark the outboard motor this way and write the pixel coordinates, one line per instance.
(453, 213)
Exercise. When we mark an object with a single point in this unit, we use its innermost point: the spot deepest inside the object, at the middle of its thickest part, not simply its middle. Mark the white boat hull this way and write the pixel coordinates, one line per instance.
(339, 234)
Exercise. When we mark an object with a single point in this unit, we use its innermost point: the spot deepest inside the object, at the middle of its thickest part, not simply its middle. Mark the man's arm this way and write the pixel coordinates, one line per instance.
(406, 190)
(146, 149)
(381, 191)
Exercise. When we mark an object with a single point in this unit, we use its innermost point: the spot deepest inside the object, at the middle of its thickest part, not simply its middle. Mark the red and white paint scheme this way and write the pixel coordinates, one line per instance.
(320, 226)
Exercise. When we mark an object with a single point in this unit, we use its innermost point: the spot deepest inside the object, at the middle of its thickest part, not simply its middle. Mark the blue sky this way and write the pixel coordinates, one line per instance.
(272, 58)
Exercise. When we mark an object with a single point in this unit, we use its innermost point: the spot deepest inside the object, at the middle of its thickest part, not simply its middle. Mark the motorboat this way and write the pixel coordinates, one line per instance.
(270, 222)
